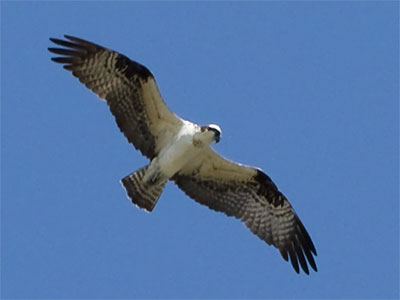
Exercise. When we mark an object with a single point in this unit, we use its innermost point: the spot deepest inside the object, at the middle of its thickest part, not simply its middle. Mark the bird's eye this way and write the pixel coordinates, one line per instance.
(216, 132)
(203, 128)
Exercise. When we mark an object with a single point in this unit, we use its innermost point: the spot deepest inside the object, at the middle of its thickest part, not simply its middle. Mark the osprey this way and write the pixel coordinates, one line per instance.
(180, 151)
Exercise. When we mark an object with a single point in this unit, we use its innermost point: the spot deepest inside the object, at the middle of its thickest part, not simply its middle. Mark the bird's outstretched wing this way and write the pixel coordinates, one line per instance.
(250, 195)
(128, 87)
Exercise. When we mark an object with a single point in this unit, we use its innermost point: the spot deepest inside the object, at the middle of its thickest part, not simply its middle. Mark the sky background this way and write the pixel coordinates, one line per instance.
(308, 91)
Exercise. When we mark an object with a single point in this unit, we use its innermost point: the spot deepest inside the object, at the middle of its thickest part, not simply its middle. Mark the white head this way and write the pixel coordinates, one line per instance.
(213, 131)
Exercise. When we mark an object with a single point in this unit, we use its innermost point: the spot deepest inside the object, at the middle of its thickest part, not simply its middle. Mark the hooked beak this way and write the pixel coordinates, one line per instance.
(217, 138)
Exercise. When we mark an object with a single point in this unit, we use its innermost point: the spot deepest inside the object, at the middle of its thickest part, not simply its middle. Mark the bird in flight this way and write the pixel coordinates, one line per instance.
(180, 151)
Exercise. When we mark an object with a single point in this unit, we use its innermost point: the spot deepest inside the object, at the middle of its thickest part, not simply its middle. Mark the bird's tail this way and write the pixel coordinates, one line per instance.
(142, 193)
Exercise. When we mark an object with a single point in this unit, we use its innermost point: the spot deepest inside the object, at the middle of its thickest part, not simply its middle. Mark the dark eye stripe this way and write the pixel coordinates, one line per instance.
(215, 130)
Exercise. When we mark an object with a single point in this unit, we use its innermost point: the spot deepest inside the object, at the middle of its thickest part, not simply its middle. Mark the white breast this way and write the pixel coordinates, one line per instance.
(180, 151)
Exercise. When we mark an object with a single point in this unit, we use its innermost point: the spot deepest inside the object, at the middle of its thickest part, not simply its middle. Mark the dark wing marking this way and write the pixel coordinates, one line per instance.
(250, 195)
(128, 87)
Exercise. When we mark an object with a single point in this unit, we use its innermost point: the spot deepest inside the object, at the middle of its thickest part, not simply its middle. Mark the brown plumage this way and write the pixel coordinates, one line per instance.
(118, 80)
(243, 192)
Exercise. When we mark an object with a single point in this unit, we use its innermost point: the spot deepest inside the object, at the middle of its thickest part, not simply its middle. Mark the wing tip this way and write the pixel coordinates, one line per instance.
(70, 37)
(299, 250)
(305, 246)
(77, 40)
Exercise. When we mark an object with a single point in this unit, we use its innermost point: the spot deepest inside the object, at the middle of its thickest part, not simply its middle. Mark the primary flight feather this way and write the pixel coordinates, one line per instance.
(180, 151)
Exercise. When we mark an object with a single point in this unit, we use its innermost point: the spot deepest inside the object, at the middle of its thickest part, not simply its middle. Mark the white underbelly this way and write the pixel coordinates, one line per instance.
(177, 155)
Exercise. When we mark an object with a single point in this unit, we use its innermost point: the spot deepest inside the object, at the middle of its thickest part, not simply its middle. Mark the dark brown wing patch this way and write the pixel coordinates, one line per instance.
(115, 78)
(262, 207)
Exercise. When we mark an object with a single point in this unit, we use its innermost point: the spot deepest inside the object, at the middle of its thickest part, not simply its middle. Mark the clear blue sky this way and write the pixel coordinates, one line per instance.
(308, 91)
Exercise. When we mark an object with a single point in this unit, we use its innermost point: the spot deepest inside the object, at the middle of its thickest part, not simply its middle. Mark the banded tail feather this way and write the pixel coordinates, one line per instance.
(143, 194)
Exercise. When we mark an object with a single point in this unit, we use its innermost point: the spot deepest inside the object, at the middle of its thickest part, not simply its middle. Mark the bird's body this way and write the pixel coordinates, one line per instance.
(186, 146)
(180, 151)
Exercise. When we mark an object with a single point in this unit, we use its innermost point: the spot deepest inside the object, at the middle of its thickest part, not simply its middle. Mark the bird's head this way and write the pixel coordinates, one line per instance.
(213, 131)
